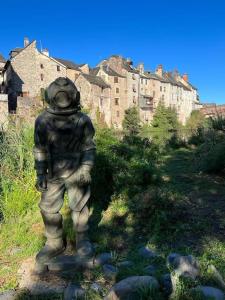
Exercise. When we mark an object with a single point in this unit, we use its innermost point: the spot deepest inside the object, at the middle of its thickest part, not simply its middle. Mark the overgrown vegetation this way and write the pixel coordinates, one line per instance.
(144, 192)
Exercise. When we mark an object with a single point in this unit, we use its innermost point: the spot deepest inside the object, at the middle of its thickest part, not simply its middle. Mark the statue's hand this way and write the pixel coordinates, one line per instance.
(41, 183)
(82, 176)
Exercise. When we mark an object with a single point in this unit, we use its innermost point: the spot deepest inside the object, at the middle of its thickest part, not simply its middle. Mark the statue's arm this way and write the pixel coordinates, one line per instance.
(88, 146)
(40, 155)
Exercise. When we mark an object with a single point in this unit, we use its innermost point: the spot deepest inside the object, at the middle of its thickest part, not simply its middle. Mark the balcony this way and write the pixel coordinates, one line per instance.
(146, 102)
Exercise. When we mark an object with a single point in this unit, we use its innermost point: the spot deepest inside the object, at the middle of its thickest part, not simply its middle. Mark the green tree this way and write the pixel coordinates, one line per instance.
(196, 120)
(163, 124)
(165, 118)
(131, 122)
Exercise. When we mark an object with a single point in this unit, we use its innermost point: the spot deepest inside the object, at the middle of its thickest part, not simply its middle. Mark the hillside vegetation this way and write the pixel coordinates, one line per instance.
(157, 187)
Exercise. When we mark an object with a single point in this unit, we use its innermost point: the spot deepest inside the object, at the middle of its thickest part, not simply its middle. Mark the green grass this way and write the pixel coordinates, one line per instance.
(181, 210)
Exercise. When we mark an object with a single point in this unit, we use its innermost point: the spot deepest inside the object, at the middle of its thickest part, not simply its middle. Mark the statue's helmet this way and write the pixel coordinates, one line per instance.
(62, 95)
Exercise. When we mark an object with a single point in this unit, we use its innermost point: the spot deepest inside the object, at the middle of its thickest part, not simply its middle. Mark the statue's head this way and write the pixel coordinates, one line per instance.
(62, 95)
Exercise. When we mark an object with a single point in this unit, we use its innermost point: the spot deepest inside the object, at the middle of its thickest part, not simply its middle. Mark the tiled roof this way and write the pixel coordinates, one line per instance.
(17, 49)
(107, 70)
(96, 80)
(2, 58)
(69, 64)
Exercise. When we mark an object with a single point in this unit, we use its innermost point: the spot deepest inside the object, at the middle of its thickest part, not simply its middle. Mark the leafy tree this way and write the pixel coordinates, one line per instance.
(131, 122)
(165, 118)
(196, 120)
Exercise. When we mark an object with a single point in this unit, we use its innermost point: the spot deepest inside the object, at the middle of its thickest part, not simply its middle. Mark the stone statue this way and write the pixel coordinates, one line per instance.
(64, 154)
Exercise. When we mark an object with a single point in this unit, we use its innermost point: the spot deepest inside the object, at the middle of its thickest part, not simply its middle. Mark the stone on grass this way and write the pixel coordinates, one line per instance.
(125, 264)
(8, 295)
(185, 266)
(96, 287)
(103, 258)
(110, 272)
(217, 276)
(150, 270)
(74, 292)
(145, 252)
(208, 292)
(130, 287)
(166, 283)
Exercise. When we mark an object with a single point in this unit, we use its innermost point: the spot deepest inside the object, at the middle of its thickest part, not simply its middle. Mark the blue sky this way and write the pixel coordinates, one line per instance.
(187, 35)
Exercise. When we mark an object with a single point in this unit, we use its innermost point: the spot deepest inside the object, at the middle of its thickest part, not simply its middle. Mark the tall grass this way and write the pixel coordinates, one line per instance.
(17, 175)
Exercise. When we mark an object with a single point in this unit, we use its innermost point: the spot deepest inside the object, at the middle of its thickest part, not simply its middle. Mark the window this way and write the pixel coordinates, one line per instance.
(160, 88)
(134, 88)
(146, 81)
(58, 68)
(117, 114)
(116, 80)
(164, 88)
(42, 66)
(42, 77)
(116, 101)
(134, 100)
(133, 76)
(163, 97)
(141, 80)
(117, 90)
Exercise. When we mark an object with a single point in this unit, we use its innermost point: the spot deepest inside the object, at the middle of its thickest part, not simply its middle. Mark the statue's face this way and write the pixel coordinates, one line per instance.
(62, 100)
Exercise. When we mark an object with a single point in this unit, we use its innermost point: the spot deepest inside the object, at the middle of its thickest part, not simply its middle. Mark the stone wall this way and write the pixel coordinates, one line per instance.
(31, 70)
(3, 111)
(95, 99)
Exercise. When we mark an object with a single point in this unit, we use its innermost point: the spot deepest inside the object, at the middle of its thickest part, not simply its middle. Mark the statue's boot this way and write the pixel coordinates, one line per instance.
(54, 244)
(80, 222)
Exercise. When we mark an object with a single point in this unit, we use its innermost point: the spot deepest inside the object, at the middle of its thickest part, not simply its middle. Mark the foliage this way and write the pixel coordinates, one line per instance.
(131, 122)
(164, 128)
(196, 120)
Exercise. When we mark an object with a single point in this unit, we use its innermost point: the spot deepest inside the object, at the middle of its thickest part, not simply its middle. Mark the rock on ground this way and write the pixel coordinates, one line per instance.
(110, 272)
(186, 266)
(74, 292)
(8, 295)
(145, 252)
(128, 288)
(166, 283)
(103, 258)
(150, 270)
(209, 292)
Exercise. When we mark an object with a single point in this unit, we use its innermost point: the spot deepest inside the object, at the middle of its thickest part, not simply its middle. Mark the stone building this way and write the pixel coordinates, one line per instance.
(118, 99)
(29, 70)
(2, 65)
(95, 97)
(145, 89)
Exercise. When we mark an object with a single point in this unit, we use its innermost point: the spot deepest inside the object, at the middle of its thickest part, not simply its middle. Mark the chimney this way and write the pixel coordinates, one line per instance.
(129, 61)
(45, 52)
(26, 42)
(185, 77)
(159, 70)
(141, 68)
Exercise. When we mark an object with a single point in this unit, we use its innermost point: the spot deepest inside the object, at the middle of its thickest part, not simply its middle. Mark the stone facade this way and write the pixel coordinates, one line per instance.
(95, 97)
(106, 90)
(3, 112)
(2, 65)
(146, 89)
(30, 70)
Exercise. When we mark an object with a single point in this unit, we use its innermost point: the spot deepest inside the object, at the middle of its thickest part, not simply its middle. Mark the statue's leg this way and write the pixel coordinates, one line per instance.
(78, 198)
(51, 203)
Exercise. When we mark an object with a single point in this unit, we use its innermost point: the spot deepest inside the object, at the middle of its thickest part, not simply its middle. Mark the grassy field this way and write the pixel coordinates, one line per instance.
(182, 212)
